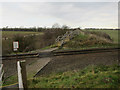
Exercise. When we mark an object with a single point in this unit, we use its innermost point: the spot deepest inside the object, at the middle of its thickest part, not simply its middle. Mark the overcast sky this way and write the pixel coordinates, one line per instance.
(73, 14)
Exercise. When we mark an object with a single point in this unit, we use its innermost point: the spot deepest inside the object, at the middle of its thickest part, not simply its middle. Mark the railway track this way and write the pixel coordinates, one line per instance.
(58, 53)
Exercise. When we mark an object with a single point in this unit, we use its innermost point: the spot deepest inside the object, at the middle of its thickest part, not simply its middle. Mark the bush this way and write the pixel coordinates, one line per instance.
(102, 34)
(25, 43)
(6, 47)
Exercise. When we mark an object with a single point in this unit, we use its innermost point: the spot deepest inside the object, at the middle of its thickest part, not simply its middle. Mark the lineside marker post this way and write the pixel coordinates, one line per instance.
(15, 47)
(22, 76)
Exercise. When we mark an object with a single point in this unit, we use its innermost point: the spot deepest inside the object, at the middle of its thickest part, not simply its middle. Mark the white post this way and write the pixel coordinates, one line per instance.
(22, 77)
(1, 74)
(20, 82)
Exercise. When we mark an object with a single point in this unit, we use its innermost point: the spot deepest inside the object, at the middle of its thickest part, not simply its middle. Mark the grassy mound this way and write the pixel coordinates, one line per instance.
(112, 33)
(101, 34)
(90, 39)
(91, 77)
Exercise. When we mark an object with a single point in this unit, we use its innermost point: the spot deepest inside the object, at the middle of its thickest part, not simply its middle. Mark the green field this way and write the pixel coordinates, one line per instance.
(91, 77)
(10, 34)
(113, 34)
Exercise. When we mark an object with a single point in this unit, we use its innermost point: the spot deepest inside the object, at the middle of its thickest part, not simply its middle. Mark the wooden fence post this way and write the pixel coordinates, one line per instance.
(22, 76)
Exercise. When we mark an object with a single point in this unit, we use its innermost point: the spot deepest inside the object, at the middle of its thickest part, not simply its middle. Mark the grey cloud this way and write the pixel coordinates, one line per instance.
(70, 12)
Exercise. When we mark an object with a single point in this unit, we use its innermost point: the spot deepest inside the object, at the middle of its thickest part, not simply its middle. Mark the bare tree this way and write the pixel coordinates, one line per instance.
(56, 25)
(65, 27)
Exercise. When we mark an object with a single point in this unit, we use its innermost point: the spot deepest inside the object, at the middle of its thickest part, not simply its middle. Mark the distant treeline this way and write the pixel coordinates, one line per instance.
(99, 29)
(24, 29)
(32, 29)
(44, 29)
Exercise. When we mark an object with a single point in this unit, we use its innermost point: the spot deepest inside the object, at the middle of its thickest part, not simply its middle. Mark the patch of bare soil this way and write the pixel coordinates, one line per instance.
(10, 66)
(74, 62)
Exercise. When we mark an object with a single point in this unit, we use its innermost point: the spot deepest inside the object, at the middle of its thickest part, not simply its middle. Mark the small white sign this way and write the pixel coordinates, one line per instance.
(15, 49)
(15, 45)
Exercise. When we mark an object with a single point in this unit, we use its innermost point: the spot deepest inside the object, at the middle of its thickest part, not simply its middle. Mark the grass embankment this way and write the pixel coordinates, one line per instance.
(112, 33)
(86, 41)
(90, 77)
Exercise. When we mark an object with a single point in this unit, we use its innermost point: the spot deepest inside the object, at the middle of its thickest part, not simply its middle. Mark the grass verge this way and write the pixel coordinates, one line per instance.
(91, 77)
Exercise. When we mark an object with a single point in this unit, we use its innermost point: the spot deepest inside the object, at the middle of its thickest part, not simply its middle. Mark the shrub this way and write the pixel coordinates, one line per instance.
(6, 47)
(101, 34)
(25, 43)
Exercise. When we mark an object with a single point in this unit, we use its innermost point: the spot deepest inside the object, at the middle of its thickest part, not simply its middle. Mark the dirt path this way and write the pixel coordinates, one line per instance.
(36, 66)
(49, 50)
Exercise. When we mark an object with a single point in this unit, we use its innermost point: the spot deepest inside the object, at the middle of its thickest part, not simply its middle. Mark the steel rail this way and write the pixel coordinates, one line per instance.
(58, 53)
